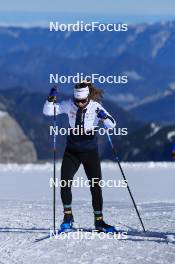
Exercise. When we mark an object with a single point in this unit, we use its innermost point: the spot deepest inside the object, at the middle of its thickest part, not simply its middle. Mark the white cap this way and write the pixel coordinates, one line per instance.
(81, 93)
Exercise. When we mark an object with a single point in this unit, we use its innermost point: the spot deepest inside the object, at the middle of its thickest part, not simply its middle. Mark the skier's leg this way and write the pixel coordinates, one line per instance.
(91, 163)
(69, 167)
(92, 167)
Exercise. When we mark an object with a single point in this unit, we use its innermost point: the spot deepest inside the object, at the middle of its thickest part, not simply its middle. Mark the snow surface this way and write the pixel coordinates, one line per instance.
(155, 129)
(159, 41)
(26, 214)
(171, 135)
(134, 75)
(153, 98)
(3, 113)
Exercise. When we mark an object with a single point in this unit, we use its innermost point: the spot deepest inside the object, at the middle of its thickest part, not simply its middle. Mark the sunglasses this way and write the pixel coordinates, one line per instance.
(81, 85)
(82, 101)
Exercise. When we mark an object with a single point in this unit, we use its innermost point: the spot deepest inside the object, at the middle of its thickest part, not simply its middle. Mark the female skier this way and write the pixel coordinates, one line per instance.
(84, 112)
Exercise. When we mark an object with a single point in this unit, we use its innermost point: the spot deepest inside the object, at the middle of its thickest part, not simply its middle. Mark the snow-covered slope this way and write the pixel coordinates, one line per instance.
(23, 222)
(26, 214)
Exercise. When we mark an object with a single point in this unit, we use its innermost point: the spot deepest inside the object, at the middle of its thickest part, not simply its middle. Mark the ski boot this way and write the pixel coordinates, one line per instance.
(101, 226)
(67, 224)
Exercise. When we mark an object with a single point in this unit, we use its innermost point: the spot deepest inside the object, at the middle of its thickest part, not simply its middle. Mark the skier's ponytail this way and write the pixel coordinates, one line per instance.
(95, 94)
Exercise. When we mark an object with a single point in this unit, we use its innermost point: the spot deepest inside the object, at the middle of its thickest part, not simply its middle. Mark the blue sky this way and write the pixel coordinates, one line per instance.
(156, 7)
(20, 11)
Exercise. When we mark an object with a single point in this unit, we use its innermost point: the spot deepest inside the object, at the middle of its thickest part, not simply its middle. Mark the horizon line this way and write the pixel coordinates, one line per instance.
(42, 19)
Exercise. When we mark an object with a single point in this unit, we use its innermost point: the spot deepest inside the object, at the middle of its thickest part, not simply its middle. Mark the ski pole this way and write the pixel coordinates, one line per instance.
(54, 167)
(122, 172)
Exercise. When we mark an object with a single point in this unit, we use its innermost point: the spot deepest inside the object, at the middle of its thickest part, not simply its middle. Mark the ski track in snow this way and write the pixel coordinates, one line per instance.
(22, 220)
(20, 223)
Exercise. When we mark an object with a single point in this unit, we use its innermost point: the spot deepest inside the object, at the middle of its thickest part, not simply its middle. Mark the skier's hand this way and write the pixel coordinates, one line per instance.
(52, 95)
(101, 114)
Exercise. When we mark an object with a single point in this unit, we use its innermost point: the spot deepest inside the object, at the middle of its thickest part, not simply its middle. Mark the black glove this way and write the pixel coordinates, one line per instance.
(52, 95)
